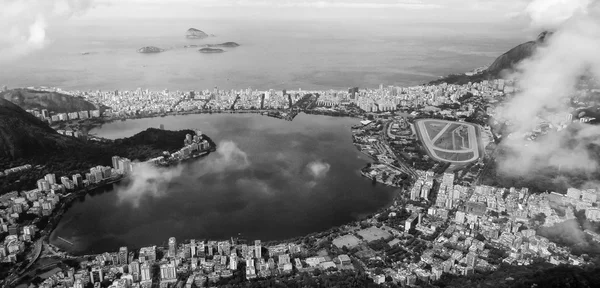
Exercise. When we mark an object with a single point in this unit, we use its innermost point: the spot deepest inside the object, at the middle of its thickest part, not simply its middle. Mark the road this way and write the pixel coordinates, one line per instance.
(405, 168)
(37, 251)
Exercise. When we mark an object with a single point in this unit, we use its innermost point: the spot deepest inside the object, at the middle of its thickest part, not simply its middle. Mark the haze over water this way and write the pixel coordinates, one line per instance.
(270, 180)
(277, 54)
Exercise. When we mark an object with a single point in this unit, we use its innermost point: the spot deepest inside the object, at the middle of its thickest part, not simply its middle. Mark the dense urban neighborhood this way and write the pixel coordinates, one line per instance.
(431, 143)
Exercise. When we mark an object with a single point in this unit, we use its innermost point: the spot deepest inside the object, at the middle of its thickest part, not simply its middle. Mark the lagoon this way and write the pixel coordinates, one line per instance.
(269, 180)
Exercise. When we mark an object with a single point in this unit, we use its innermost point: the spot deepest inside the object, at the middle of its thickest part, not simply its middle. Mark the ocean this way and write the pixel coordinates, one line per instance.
(274, 54)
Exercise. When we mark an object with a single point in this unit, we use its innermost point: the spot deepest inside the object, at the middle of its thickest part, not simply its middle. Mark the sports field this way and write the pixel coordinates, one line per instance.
(448, 141)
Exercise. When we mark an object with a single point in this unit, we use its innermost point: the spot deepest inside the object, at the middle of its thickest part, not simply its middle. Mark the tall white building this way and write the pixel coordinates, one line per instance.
(168, 271)
(257, 249)
(51, 178)
(146, 271)
(172, 247)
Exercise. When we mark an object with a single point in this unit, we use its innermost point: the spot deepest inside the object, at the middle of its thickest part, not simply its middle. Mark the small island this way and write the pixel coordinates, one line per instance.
(211, 50)
(226, 44)
(150, 49)
(194, 33)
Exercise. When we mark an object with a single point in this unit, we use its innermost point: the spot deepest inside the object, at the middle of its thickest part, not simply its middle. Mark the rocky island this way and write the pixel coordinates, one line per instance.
(226, 44)
(194, 33)
(150, 49)
(211, 50)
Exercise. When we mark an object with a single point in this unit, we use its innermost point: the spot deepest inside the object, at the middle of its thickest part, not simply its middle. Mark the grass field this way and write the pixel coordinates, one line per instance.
(349, 241)
(373, 233)
(456, 137)
(434, 129)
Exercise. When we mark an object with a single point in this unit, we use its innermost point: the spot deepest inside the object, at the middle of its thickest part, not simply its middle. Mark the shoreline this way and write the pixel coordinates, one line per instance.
(92, 123)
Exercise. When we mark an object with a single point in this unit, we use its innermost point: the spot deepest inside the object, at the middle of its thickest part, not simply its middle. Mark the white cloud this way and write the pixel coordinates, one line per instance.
(318, 169)
(148, 180)
(23, 23)
(547, 81)
(548, 14)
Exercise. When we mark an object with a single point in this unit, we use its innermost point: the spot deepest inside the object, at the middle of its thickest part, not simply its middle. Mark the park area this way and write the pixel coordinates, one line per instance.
(373, 233)
(350, 241)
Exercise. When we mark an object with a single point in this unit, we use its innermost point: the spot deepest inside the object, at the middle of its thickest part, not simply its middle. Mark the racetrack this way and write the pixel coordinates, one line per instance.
(449, 145)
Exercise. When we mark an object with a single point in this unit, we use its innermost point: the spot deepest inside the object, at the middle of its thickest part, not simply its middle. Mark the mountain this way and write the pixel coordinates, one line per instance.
(53, 101)
(503, 64)
(22, 134)
(194, 33)
(507, 61)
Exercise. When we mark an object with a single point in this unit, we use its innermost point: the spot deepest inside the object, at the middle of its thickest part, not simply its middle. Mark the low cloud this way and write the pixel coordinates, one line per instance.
(255, 185)
(228, 157)
(147, 180)
(547, 81)
(23, 28)
(566, 150)
(318, 169)
(551, 14)
(151, 181)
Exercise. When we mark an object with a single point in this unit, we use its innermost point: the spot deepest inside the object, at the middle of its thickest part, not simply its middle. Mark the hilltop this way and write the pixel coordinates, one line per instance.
(22, 134)
(53, 101)
(504, 64)
(508, 61)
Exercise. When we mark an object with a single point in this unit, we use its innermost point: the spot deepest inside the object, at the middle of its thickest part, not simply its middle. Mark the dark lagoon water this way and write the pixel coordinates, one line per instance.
(270, 180)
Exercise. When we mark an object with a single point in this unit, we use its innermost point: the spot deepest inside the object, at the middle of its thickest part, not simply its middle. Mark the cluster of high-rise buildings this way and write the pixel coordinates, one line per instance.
(422, 186)
(45, 198)
(15, 169)
(468, 229)
(196, 263)
(147, 102)
(51, 117)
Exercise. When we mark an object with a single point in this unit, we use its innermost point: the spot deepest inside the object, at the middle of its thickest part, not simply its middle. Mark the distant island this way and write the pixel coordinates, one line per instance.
(150, 49)
(226, 44)
(211, 50)
(194, 33)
